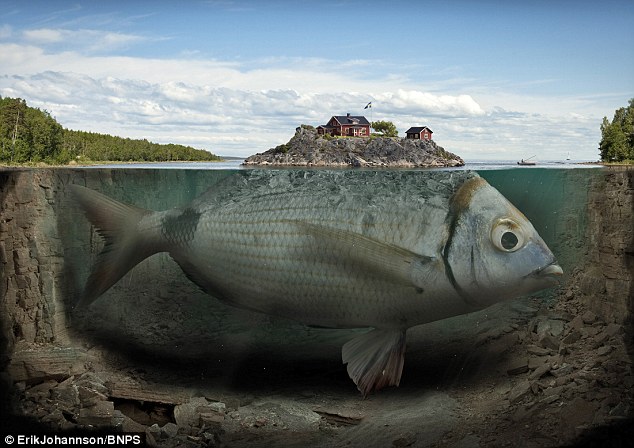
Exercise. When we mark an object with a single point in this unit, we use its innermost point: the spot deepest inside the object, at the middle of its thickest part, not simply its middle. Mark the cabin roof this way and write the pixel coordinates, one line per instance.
(350, 119)
(417, 130)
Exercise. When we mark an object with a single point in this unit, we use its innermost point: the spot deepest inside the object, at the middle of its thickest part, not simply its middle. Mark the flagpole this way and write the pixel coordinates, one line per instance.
(369, 106)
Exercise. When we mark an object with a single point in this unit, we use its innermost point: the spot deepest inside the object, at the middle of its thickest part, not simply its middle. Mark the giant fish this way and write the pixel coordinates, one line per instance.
(339, 249)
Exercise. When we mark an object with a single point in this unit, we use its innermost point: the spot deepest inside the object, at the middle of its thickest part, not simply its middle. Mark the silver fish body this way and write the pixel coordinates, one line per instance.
(341, 249)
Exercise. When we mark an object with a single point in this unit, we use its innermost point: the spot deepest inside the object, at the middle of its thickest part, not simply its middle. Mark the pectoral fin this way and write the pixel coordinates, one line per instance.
(391, 262)
(375, 359)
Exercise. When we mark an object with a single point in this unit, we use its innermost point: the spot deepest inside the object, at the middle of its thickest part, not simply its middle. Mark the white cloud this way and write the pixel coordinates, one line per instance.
(45, 35)
(82, 39)
(430, 104)
(235, 109)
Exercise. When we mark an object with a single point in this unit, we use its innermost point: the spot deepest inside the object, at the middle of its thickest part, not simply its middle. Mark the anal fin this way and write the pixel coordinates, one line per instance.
(375, 359)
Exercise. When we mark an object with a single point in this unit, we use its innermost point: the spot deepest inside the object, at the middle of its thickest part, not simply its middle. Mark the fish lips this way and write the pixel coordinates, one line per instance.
(551, 272)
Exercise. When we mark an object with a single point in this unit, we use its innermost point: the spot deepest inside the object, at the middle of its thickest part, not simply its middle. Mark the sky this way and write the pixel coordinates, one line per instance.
(493, 79)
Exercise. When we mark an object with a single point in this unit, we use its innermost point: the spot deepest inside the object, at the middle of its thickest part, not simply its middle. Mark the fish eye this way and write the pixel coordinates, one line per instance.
(509, 240)
(507, 235)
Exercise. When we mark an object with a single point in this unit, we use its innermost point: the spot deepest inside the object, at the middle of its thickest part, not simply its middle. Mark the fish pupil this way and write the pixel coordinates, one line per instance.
(509, 240)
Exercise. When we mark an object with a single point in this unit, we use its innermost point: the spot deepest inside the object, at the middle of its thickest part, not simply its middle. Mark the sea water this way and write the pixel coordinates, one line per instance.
(157, 326)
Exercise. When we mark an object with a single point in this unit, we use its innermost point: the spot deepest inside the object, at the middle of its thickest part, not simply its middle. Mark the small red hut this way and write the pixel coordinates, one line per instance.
(419, 133)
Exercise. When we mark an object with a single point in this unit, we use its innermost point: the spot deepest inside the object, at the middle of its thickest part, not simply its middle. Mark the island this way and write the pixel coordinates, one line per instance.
(308, 147)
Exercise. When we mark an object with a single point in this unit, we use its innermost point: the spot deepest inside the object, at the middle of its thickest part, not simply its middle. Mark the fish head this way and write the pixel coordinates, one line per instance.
(493, 252)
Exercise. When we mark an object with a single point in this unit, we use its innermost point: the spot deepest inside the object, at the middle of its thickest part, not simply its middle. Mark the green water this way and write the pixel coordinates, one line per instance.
(156, 306)
(555, 201)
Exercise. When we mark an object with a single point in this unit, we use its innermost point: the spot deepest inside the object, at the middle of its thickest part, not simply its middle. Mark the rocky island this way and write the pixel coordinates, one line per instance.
(308, 148)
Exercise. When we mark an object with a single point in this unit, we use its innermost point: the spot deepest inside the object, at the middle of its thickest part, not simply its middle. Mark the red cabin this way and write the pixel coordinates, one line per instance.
(419, 133)
(346, 125)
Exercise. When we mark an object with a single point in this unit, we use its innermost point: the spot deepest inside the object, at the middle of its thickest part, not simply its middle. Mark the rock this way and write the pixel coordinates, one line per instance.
(126, 424)
(56, 419)
(600, 338)
(620, 410)
(539, 372)
(539, 351)
(99, 415)
(307, 148)
(572, 337)
(549, 399)
(66, 396)
(211, 418)
(340, 416)
(89, 397)
(519, 391)
(613, 329)
(154, 431)
(537, 361)
(548, 341)
(42, 391)
(92, 381)
(169, 430)
(577, 323)
(551, 326)
(198, 412)
(565, 369)
(218, 407)
(517, 366)
(36, 363)
(188, 414)
(588, 317)
(561, 315)
(602, 351)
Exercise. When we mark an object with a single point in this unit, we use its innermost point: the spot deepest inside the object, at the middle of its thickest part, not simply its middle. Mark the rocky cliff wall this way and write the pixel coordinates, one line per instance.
(605, 281)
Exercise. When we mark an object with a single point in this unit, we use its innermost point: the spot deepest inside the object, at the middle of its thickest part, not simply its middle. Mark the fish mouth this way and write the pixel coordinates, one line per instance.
(551, 271)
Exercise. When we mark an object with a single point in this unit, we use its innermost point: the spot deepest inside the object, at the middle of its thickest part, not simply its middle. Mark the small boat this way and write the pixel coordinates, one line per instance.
(527, 161)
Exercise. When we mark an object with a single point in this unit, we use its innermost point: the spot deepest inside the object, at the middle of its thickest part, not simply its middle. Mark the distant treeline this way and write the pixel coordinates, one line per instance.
(28, 134)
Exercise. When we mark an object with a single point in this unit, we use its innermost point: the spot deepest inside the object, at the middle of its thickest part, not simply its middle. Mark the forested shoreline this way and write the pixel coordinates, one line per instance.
(31, 135)
(617, 136)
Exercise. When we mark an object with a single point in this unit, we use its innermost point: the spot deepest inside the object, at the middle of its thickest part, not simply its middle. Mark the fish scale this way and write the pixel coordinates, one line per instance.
(387, 250)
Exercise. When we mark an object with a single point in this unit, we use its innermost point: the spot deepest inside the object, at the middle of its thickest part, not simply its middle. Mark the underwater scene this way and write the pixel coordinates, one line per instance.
(294, 307)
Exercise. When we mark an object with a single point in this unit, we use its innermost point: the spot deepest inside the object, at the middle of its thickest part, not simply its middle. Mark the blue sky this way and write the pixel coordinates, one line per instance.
(493, 79)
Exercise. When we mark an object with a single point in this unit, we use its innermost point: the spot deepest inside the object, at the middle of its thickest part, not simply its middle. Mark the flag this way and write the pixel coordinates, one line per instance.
(369, 105)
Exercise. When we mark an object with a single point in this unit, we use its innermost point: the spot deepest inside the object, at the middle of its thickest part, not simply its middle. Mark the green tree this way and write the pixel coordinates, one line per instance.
(617, 136)
(44, 136)
(385, 128)
(28, 134)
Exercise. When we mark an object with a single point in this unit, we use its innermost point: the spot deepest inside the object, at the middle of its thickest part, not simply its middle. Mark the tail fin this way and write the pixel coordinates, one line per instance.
(124, 245)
